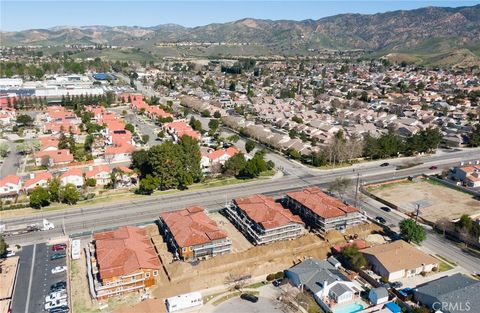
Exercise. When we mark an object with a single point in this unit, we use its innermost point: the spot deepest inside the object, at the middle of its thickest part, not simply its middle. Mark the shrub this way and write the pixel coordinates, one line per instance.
(279, 275)
(270, 277)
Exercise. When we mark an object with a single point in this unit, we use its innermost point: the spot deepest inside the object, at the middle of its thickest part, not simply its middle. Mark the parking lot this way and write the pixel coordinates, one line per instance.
(35, 278)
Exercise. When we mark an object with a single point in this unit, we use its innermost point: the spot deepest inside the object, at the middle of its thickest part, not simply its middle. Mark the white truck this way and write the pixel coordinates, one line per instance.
(22, 229)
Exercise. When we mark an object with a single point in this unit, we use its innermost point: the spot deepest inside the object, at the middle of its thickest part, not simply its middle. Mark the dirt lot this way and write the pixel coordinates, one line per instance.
(239, 242)
(435, 200)
(255, 261)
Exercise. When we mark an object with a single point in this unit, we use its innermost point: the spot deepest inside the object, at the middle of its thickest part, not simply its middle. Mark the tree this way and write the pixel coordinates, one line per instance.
(148, 185)
(69, 194)
(294, 154)
(3, 245)
(340, 186)
(63, 142)
(352, 258)
(140, 162)
(474, 137)
(217, 115)
(4, 148)
(90, 182)
(39, 198)
(54, 189)
(196, 124)
(205, 113)
(234, 165)
(213, 124)
(191, 157)
(255, 166)
(233, 138)
(166, 163)
(411, 231)
(24, 120)
(130, 127)
(249, 145)
(145, 138)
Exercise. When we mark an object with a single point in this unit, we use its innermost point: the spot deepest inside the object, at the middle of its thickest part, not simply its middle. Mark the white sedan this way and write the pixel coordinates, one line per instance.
(58, 269)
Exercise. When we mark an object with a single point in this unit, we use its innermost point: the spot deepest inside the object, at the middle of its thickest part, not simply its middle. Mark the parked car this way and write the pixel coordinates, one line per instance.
(249, 297)
(59, 286)
(384, 164)
(396, 284)
(58, 269)
(434, 167)
(277, 282)
(386, 208)
(380, 219)
(8, 253)
(55, 304)
(59, 295)
(60, 309)
(59, 247)
(58, 255)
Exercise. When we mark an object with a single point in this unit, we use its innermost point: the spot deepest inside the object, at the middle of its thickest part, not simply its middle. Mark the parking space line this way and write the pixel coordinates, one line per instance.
(30, 279)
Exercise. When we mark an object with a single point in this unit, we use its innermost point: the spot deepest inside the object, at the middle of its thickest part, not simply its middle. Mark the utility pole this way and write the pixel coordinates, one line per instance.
(356, 189)
(416, 215)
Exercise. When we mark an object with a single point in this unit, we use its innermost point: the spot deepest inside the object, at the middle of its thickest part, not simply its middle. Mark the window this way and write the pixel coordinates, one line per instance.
(147, 274)
(155, 273)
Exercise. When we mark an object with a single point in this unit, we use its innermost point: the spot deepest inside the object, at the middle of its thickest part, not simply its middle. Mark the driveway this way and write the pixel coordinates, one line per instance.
(237, 305)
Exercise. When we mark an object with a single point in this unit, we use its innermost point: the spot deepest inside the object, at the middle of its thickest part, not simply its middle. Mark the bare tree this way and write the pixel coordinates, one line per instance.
(444, 224)
(339, 186)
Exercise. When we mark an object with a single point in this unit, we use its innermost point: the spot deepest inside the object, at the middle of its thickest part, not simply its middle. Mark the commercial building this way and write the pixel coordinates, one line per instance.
(321, 211)
(264, 221)
(399, 259)
(122, 261)
(191, 234)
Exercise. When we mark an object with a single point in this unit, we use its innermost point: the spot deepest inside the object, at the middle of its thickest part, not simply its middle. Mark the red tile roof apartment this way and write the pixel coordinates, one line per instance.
(123, 261)
(264, 221)
(191, 234)
(322, 211)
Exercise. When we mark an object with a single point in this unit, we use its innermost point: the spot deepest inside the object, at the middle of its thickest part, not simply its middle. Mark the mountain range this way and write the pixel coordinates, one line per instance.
(431, 31)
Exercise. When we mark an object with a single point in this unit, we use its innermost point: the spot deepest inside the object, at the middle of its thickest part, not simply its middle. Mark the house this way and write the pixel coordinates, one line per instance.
(37, 180)
(178, 129)
(469, 175)
(326, 283)
(191, 234)
(72, 176)
(53, 157)
(100, 173)
(217, 157)
(263, 221)
(399, 259)
(125, 177)
(9, 186)
(378, 295)
(450, 294)
(322, 211)
(119, 153)
(122, 261)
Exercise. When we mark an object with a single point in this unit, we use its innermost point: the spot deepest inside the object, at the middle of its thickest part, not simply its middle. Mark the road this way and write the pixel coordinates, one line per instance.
(11, 163)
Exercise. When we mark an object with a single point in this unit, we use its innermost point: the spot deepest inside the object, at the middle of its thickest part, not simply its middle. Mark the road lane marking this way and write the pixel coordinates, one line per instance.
(30, 281)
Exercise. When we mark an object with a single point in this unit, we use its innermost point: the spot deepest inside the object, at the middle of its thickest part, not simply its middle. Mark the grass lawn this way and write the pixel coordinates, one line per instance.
(444, 267)
(256, 285)
(445, 259)
(233, 295)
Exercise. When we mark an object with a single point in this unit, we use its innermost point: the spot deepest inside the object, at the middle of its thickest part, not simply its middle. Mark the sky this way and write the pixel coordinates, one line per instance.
(20, 15)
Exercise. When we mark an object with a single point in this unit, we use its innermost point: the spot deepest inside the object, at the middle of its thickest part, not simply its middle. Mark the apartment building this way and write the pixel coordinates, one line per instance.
(321, 211)
(122, 261)
(191, 234)
(264, 221)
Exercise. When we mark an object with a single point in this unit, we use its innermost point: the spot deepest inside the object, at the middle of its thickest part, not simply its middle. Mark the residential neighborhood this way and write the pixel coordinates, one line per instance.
(246, 157)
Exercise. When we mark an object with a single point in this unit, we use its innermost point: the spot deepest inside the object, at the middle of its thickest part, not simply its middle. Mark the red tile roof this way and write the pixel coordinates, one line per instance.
(35, 180)
(57, 156)
(124, 251)
(72, 172)
(360, 243)
(124, 148)
(320, 203)
(97, 170)
(191, 227)
(219, 153)
(266, 212)
(10, 179)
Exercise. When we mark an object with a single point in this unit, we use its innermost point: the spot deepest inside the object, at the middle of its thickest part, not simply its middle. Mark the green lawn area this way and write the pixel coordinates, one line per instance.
(233, 295)
(256, 285)
(444, 267)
